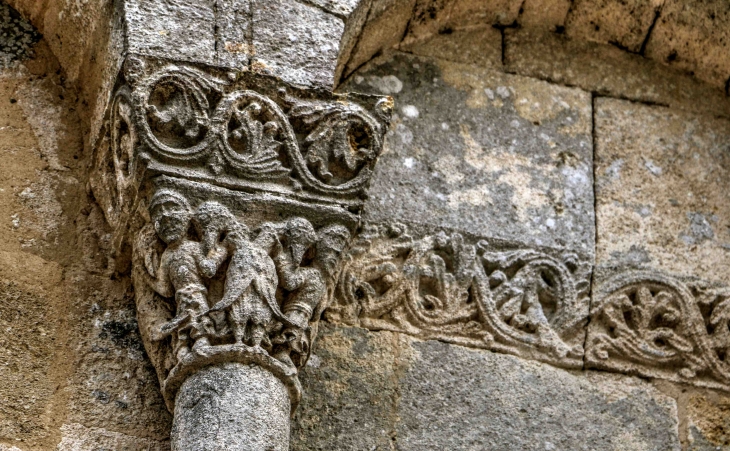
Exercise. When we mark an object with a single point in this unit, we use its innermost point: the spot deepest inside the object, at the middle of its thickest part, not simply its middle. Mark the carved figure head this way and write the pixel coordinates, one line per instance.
(299, 235)
(332, 240)
(214, 222)
(170, 213)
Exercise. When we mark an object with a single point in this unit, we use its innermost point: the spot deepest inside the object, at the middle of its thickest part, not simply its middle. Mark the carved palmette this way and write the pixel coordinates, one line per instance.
(441, 286)
(238, 194)
(655, 325)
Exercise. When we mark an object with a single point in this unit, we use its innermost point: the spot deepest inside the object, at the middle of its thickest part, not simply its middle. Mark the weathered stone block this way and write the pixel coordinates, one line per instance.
(481, 46)
(609, 70)
(512, 158)
(386, 24)
(176, 29)
(459, 399)
(234, 33)
(694, 36)
(351, 391)
(660, 302)
(708, 423)
(658, 202)
(465, 13)
(296, 42)
(547, 15)
(384, 391)
(621, 22)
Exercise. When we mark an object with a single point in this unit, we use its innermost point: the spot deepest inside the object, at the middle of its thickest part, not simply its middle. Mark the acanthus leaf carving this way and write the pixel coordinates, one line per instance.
(442, 286)
(656, 325)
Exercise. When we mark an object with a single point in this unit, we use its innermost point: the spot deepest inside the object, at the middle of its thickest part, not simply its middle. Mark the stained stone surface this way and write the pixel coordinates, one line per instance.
(708, 423)
(695, 37)
(480, 46)
(625, 23)
(413, 395)
(177, 29)
(298, 42)
(662, 193)
(493, 154)
(234, 407)
(606, 69)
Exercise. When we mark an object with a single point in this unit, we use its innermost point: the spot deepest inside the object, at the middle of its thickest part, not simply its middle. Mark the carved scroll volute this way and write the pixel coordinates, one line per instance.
(238, 195)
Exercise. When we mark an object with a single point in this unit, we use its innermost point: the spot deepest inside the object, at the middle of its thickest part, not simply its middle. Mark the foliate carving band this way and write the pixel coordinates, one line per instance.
(655, 325)
(238, 195)
(441, 286)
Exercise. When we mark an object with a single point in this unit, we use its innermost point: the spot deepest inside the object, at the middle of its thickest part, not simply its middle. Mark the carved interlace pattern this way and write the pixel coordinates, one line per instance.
(658, 326)
(443, 287)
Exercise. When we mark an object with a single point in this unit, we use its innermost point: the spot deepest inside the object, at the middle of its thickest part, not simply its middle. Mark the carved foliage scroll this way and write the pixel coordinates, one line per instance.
(441, 286)
(655, 325)
(240, 131)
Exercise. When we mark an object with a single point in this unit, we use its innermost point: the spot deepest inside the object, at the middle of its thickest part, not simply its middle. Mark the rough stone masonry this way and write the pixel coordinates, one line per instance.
(364, 225)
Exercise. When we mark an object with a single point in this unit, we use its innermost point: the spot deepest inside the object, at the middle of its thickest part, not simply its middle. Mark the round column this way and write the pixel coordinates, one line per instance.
(232, 407)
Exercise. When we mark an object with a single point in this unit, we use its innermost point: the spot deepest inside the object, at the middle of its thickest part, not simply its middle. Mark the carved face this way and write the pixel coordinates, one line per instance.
(299, 236)
(333, 240)
(171, 219)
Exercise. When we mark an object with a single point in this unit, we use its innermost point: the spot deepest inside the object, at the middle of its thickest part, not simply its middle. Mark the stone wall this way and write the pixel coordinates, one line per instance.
(569, 169)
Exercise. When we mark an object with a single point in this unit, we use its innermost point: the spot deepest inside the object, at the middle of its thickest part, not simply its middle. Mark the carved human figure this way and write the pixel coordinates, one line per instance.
(307, 286)
(249, 291)
(178, 273)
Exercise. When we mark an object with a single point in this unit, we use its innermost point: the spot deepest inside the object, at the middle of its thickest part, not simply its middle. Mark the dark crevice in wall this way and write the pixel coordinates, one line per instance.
(594, 96)
(216, 31)
(502, 29)
(657, 14)
(727, 87)
(321, 8)
(345, 74)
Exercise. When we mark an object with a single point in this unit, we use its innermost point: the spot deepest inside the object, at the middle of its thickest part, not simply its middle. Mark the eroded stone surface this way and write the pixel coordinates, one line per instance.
(77, 437)
(481, 46)
(708, 424)
(694, 36)
(413, 395)
(620, 22)
(492, 154)
(608, 70)
(304, 51)
(661, 200)
(231, 406)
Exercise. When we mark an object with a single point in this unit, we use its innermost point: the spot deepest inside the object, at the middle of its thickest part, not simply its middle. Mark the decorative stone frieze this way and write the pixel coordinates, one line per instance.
(485, 294)
(237, 195)
(655, 325)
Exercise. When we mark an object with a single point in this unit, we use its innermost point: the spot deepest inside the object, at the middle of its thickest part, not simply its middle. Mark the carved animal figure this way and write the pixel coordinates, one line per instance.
(249, 291)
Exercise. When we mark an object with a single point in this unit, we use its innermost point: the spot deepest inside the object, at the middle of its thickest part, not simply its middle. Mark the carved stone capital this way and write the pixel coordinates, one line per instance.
(237, 195)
